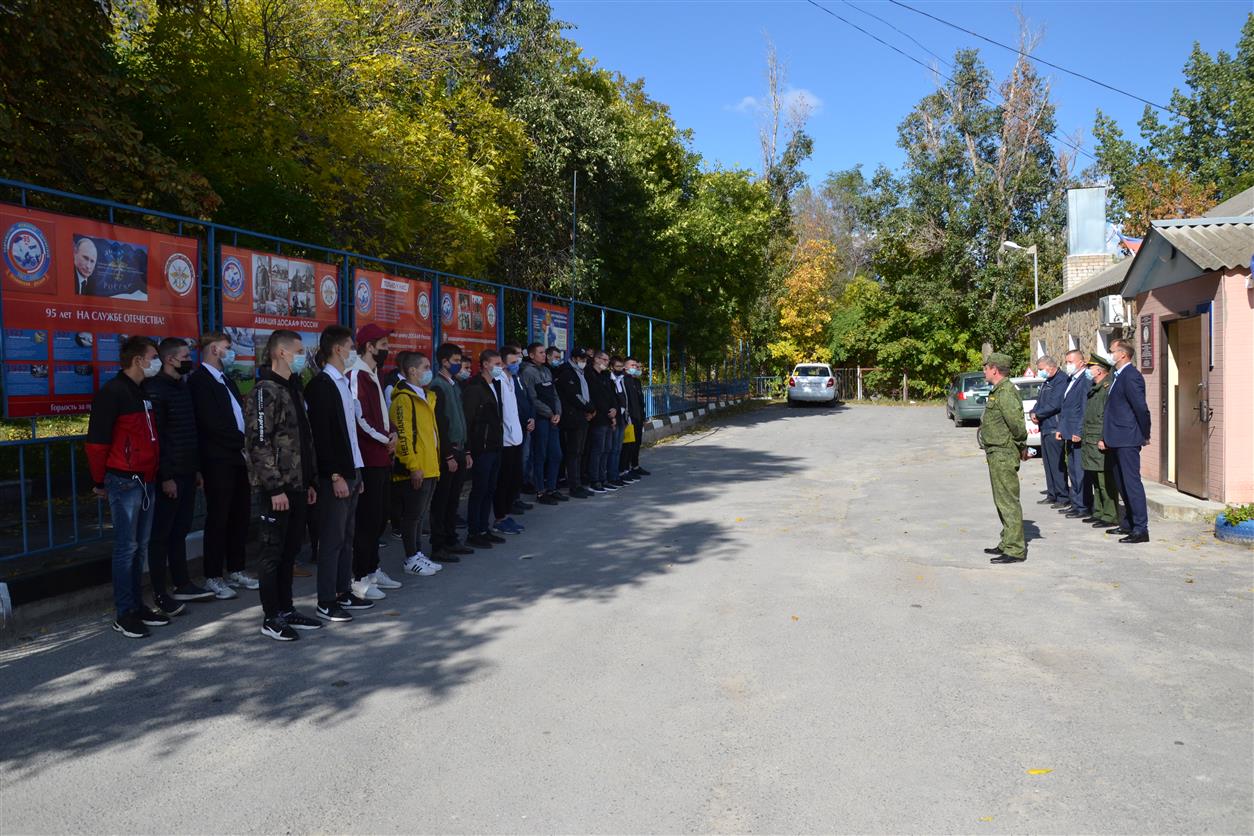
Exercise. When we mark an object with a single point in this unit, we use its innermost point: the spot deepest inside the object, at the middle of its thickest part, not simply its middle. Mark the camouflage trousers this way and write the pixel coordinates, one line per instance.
(1003, 473)
(1105, 493)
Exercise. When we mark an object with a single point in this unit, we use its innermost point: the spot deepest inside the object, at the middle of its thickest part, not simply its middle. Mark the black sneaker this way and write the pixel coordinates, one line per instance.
(191, 592)
(597, 488)
(640, 471)
(580, 493)
(493, 538)
(607, 487)
(548, 499)
(332, 613)
(166, 604)
(617, 483)
(300, 622)
(349, 601)
(279, 630)
(130, 626)
(152, 618)
(521, 506)
(445, 557)
(479, 541)
(630, 478)
(459, 549)
(560, 497)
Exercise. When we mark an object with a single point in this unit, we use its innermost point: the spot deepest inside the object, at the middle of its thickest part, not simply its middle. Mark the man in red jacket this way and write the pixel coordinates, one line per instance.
(122, 451)
(376, 441)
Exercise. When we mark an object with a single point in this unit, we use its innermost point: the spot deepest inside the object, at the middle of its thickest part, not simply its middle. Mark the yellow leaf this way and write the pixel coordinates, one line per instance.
(1039, 771)
(796, 618)
(986, 818)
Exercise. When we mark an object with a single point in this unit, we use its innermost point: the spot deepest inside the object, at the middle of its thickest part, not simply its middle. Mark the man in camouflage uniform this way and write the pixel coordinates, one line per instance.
(1096, 462)
(280, 451)
(1003, 437)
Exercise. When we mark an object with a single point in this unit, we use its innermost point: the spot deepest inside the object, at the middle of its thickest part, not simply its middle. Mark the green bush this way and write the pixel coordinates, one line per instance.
(1237, 514)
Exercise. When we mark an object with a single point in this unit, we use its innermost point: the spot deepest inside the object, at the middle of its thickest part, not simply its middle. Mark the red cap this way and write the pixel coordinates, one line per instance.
(370, 333)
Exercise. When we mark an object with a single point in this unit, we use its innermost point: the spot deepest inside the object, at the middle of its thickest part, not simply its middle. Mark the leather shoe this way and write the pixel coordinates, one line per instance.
(994, 550)
(1075, 515)
(1102, 524)
(459, 549)
(1045, 501)
(1143, 537)
(1089, 519)
(1118, 530)
(1005, 558)
(1061, 505)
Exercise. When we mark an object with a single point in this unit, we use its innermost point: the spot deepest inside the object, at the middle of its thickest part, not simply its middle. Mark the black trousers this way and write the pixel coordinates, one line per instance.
(337, 518)
(448, 493)
(228, 506)
(372, 512)
(631, 455)
(574, 439)
(167, 547)
(281, 536)
(509, 482)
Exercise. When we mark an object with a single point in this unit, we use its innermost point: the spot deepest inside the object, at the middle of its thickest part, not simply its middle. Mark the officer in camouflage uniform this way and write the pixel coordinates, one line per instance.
(1095, 460)
(1003, 437)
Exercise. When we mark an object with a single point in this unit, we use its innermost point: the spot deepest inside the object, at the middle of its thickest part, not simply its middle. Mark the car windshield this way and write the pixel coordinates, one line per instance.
(812, 371)
(1029, 390)
(970, 384)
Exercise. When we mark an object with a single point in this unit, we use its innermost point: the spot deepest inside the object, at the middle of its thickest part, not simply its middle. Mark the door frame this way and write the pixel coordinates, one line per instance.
(1203, 311)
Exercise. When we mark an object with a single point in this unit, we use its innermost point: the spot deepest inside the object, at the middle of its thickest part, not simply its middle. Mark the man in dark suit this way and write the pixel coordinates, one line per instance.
(223, 467)
(571, 382)
(1071, 426)
(1046, 415)
(1125, 430)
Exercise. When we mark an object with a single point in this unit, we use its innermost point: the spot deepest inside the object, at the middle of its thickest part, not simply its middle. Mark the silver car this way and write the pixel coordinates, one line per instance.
(811, 383)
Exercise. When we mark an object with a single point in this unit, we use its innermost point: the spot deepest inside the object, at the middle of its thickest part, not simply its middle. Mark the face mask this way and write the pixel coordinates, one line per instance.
(1088, 373)
(298, 363)
(454, 369)
(381, 357)
(424, 378)
(464, 374)
(514, 367)
(634, 372)
(618, 372)
(555, 364)
(185, 367)
(580, 364)
(153, 367)
(1041, 373)
(1071, 369)
(228, 357)
(498, 373)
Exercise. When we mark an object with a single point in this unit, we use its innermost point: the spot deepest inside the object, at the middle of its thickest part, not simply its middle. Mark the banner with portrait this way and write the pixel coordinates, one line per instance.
(550, 324)
(263, 292)
(468, 318)
(402, 306)
(72, 291)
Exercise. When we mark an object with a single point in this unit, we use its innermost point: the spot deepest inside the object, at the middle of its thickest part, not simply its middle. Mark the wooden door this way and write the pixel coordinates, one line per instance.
(1191, 409)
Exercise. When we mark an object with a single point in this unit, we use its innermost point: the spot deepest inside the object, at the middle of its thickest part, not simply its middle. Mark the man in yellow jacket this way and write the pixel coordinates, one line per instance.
(417, 453)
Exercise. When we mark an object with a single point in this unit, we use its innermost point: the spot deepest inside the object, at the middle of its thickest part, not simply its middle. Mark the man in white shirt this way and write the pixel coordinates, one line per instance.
(517, 419)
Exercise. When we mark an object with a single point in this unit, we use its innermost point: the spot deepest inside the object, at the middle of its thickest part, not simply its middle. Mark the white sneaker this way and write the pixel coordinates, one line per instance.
(430, 564)
(219, 589)
(242, 580)
(365, 589)
(380, 579)
(418, 565)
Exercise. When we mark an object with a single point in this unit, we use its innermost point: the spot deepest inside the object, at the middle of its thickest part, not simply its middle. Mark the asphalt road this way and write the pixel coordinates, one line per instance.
(788, 628)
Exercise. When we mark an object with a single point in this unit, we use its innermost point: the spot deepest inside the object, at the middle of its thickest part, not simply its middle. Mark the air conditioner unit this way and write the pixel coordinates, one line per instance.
(1112, 310)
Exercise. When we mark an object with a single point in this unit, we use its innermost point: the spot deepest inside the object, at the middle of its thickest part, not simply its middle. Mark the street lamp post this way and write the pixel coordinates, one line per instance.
(1036, 283)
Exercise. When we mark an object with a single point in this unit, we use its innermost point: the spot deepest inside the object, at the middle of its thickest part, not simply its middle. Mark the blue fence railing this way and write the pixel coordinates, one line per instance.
(46, 499)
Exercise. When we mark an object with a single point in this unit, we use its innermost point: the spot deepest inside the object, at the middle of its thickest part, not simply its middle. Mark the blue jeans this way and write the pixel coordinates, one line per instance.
(598, 453)
(482, 491)
(131, 509)
(613, 469)
(546, 455)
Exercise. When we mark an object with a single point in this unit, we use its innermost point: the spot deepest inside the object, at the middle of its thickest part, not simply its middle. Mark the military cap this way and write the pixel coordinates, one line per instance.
(1099, 360)
(997, 359)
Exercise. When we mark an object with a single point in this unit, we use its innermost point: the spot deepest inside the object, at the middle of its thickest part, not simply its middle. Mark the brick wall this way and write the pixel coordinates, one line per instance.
(1078, 269)
(1078, 318)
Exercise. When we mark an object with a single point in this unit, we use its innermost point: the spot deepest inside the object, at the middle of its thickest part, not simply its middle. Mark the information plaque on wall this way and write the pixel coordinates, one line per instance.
(1147, 342)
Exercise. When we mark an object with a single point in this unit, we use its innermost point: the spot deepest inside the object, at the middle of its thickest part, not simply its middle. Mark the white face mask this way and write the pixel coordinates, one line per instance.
(1071, 369)
(153, 368)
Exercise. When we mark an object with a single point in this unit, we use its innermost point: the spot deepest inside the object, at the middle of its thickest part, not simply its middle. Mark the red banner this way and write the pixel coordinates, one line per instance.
(263, 292)
(469, 319)
(402, 306)
(73, 290)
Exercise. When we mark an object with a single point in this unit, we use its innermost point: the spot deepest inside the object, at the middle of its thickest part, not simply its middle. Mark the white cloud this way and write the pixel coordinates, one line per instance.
(794, 98)
(746, 105)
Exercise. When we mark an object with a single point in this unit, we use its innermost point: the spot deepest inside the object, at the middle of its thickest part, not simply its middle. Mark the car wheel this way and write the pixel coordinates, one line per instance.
(792, 404)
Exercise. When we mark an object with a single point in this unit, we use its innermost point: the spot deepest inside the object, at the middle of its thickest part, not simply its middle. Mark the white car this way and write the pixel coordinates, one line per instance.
(811, 383)
(1029, 388)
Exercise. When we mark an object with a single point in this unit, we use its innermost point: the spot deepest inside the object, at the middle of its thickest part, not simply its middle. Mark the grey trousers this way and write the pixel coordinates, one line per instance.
(336, 522)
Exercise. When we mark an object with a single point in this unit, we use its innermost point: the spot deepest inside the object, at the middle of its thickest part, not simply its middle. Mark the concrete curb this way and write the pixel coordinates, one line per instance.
(664, 427)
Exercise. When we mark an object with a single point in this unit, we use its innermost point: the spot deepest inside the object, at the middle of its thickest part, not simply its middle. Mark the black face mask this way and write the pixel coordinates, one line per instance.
(185, 368)
(381, 357)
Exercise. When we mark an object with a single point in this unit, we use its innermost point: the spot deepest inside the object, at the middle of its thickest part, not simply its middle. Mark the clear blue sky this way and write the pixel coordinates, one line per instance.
(706, 60)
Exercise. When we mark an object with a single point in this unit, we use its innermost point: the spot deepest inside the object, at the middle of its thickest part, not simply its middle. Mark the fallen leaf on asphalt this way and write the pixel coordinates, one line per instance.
(1188, 580)
(1115, 585)
(796, 618)
(1039, 771)
(986, 818)
(740, 519)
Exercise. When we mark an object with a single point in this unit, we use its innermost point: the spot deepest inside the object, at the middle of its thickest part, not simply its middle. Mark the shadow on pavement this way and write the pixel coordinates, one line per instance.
(85, 688)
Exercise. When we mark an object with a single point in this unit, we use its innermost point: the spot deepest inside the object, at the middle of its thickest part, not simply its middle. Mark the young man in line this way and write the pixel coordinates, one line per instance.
(632, 470)
(122, 451)
(602, 424)
(376, 440)
(618, 380)
(177, 479)
(518, 419)
(455, 461)
(417, 470)
(279, 445)
(224, 471)
(485, 434)
(571, 382)
(333, 420)
(546, 443)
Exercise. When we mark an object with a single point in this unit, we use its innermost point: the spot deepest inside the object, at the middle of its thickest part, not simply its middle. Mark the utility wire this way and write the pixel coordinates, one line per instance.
(899, 32)
(950, 79)
(1029, 56)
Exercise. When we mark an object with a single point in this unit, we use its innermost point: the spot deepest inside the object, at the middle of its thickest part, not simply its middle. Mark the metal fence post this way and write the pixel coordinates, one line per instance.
(215, 298)
(348, 294)
(531, 323)
(603, 329)
(668, 368)
(629, 334)
(500, 316)
(437, 317)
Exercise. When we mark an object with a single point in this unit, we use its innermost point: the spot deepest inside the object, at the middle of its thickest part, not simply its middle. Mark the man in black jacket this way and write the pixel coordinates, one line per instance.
(177, 478)
(572, 387)
(632, 470)
(220, 445)
(332, 413)
(455, 462)
(603, 423)
(485, 436)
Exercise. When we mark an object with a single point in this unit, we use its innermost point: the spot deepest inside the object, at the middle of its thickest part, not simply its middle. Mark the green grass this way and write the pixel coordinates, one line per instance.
(19, 429)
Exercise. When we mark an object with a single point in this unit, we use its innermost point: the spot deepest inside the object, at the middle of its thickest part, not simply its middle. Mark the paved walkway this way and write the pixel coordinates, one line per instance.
(790, 627)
